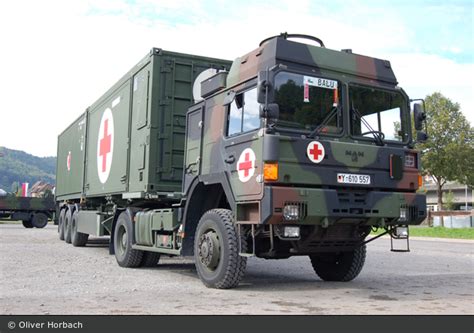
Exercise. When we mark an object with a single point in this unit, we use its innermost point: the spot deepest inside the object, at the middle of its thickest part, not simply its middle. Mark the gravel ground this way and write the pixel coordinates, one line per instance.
(39, 274)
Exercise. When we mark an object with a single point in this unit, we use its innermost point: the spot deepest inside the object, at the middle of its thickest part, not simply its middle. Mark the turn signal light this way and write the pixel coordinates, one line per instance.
(270, 171)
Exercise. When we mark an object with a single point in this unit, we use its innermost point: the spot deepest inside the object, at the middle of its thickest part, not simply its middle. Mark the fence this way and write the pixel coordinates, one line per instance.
(451, 219)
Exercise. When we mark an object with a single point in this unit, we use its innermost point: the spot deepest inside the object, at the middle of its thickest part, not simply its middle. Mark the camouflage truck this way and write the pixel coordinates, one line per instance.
(290, 150)
(33, 212)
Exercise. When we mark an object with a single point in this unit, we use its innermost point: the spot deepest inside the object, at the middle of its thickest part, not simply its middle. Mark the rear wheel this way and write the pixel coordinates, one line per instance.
(62, 216)
(123, 240)
(339, 266)
(39, 220)
(77, 238)
(67, 226)
(27, 224)
(216, 250)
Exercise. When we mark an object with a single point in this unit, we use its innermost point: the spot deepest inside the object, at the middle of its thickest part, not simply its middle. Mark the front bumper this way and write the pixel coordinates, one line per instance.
(322, 206)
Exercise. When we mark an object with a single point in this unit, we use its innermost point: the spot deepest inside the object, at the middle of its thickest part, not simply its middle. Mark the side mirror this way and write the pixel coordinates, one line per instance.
(271, 111)
(265, 92)
(419, 116)
(421, 137)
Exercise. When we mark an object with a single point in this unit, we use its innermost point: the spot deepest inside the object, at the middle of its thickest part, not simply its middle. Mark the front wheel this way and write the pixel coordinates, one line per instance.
(216, 250)
(339, 266)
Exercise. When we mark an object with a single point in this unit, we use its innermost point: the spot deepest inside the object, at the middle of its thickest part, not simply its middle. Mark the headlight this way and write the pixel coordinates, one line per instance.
(401, 232)
(291, 232)
(403, 214)
(291, 212)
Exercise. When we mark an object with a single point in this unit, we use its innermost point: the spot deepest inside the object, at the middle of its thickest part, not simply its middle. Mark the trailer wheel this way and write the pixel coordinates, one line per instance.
(216, 250)
(62, 216)
(123, 239)
(27, 224)
(150, 259)
(39, 220)
(67, 226)
(77, 238)
(341, 266)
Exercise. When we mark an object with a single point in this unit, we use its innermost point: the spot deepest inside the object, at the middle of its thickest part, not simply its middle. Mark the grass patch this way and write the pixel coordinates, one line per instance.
(440, 232)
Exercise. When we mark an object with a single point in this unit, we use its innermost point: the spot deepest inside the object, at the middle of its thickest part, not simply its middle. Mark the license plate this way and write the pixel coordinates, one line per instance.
(350, 178)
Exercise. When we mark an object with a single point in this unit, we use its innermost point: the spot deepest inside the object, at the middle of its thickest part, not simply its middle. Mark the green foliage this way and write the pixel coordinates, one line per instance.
(449, 200)
(17, 167)
(448, 155)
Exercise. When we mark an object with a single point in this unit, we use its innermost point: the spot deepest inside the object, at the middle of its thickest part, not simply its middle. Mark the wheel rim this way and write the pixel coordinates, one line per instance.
(43, 220)
(209, 250)
(122, 240)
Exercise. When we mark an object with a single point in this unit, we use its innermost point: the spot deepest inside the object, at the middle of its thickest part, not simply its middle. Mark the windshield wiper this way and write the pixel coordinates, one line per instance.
(378, 135)
(334, 111)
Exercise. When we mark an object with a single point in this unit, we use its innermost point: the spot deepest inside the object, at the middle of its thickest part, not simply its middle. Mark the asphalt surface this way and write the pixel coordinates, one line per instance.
(39, 274)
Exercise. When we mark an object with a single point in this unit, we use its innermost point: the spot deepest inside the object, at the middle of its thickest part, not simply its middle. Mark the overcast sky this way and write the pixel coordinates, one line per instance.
(58, 57)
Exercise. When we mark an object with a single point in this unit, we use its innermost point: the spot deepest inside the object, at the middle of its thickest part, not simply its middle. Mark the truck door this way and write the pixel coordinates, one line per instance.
(194, 125)
(243, 146)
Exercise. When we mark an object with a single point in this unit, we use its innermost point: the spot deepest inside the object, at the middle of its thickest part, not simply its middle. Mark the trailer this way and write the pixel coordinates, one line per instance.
(291, 149)
(33, 212)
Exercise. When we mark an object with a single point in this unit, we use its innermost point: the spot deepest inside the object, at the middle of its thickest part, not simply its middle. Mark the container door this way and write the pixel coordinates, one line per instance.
(70, 161)
(107, 150)
(139, 152)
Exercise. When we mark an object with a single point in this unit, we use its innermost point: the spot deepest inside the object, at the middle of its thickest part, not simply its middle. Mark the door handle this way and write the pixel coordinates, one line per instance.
(230, 159)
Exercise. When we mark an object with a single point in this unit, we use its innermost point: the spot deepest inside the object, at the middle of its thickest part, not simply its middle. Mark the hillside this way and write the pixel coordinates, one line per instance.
(18, 166)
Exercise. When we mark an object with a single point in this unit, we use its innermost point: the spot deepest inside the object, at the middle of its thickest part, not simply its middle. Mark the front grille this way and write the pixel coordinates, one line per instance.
(352, 202)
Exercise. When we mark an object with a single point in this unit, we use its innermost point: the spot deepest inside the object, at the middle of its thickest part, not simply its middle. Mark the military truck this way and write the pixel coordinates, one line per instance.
(33, 212)
(290, 150)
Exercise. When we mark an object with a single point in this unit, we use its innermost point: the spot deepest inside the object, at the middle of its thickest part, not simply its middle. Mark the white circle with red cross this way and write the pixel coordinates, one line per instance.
(315, 151)
(105, 145)
(246, 165)
(68, 161)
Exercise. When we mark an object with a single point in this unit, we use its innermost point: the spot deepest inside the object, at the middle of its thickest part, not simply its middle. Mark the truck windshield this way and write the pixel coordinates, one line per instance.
(308, 102)
(377, 113)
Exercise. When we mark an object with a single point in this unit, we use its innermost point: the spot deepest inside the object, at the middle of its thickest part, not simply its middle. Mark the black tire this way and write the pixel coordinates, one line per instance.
(77, 238)
(340, 266)
(123, 240)
(150, 259)
(62, 216)
(27, 224)
(67, 226)
(39, 220)
(216, 250)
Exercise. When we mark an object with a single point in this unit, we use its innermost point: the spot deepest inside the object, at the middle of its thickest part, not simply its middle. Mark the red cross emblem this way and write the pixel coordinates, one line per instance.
(105, 145)
(68, 161)
(246, 165)
(315, 151)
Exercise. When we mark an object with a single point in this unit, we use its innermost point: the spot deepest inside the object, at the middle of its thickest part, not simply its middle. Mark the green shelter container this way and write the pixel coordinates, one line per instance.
(130, 142)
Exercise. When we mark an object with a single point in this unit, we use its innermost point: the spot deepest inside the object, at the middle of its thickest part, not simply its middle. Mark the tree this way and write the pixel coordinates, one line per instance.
(449, 200)
(449, 152)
